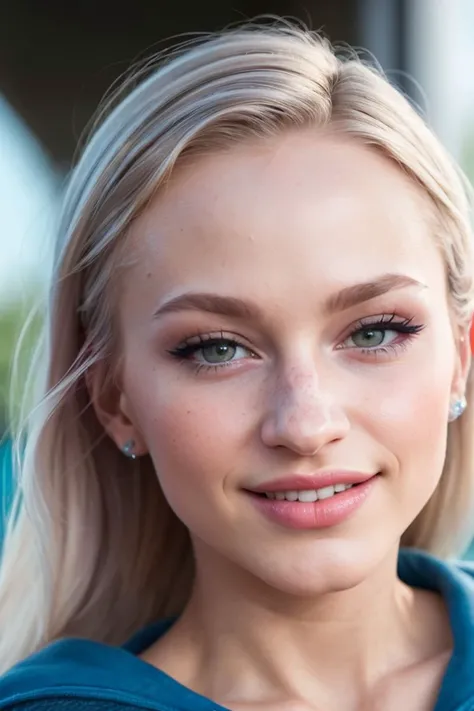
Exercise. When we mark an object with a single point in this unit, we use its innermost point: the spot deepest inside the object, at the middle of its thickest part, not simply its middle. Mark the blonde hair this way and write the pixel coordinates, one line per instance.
(93, 549)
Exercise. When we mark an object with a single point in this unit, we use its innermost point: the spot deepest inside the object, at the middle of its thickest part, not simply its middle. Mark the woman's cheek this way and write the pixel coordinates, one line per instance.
(193, 439)
(412, 426)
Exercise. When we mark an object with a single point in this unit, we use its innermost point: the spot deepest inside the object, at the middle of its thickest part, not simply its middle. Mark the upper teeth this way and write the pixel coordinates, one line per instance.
(308, 495)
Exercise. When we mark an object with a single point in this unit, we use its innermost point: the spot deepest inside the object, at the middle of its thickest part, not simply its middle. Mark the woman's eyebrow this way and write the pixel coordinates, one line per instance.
(241, 309)
(365, 291)
(211, 303)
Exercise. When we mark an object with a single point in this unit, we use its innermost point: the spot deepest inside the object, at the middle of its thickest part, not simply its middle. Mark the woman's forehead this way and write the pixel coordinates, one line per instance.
(286, 212)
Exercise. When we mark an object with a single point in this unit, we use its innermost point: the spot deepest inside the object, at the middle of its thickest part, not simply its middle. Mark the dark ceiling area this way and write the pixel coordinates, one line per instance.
(58, 58)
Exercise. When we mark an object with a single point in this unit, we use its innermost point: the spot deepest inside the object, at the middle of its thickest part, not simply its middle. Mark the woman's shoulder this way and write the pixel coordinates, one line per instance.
(67, 674)
(454, 581)
(419, 568)
(83, 675)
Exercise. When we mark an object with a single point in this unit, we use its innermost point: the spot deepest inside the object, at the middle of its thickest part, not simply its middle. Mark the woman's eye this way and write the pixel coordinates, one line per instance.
(372, 337)
(221, 352)
(212, 352)
(385, 333)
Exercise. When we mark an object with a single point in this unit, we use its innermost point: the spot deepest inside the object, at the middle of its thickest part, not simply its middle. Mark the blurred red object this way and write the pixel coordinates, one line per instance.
(472, 336)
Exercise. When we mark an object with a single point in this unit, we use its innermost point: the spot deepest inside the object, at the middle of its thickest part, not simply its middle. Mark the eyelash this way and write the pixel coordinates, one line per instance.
(385, 322)
(187, 349)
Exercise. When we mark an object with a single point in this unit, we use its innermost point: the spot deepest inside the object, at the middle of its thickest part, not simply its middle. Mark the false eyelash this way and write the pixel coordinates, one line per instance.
(386, 323)
(387, 320)
(187, 348)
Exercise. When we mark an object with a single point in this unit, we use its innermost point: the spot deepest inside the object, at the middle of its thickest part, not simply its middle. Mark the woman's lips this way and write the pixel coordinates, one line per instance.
(318, 480)
(322, 513)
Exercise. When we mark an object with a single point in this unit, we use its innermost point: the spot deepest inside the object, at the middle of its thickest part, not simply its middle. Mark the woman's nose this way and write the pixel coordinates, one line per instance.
(303, 416)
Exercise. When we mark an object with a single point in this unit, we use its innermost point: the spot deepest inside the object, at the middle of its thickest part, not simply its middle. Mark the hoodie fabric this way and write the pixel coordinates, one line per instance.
(79, 675)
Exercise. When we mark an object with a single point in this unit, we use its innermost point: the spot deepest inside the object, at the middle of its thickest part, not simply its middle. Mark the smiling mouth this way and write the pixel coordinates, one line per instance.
(307, 495)
(302, 508)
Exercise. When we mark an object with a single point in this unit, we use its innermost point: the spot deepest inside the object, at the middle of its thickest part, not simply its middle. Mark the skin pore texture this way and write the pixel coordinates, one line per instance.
(299, 382)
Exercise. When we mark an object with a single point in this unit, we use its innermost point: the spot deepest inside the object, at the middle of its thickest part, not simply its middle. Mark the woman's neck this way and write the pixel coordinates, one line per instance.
(240, 642)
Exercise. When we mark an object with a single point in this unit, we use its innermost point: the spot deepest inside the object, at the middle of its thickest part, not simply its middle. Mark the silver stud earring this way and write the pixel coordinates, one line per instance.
(457, 408)
(128, 448)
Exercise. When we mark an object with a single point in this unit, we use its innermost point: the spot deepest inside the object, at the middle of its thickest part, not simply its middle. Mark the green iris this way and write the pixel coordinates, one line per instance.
(218, 353)
(369, 338)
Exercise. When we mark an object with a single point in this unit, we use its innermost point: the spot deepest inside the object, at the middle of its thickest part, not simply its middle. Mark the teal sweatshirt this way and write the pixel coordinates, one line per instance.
(79, 675)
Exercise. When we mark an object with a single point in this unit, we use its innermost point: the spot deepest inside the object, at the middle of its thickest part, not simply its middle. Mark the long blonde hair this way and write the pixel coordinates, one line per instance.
(92, 548)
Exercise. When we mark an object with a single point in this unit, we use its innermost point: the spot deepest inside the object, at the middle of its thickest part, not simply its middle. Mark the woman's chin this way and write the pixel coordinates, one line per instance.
(340, 567)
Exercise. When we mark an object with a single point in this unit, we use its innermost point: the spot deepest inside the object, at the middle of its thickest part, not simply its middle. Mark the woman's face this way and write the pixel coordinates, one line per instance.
(287, 319)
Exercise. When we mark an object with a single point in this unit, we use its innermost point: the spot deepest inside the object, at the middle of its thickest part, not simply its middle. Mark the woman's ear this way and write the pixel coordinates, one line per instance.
(463, 362)
(113, 409)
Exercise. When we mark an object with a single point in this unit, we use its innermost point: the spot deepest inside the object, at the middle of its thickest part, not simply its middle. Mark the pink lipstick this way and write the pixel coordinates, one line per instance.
(312, 502)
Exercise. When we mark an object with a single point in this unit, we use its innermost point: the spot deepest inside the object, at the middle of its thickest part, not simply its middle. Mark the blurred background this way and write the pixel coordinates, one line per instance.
(58, 58)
